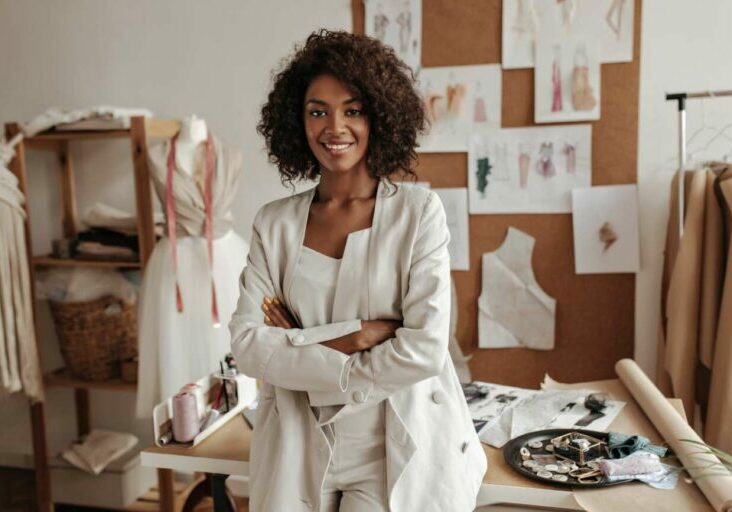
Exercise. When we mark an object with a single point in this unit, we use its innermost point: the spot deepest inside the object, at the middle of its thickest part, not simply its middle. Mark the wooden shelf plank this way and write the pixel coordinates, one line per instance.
(62, 379)
(50, 261)
(78, 135)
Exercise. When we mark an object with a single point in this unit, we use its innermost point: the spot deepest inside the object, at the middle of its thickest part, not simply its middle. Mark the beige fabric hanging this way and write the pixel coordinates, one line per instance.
(19, 363)
(695, 350)
(718, 425)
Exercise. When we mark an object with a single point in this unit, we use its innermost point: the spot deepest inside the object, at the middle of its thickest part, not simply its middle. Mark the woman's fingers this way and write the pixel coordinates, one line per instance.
(277, 314)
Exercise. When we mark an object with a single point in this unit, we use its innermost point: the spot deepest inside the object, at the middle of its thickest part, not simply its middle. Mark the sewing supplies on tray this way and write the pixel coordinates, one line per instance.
(588, 459)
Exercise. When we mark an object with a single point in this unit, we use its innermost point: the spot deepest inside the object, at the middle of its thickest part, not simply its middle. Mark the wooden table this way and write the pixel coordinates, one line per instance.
(227, 453)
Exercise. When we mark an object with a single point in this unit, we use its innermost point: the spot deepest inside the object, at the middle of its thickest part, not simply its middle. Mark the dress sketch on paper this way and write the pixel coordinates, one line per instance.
(566, 79)
(614, 17)
(528, 170)
(557, 80)
(459, 100)
(608, 21)
(455, 202)
(397, 23)
(544, 165)
(487, 402)
(605, 226)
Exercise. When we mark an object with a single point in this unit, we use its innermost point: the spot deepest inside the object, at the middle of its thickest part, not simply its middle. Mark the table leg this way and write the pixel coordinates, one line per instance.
(166, 490)
(222, 501)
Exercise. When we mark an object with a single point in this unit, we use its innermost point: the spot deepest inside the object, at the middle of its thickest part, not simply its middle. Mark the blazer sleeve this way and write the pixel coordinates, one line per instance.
(287, 358)
(419, 349)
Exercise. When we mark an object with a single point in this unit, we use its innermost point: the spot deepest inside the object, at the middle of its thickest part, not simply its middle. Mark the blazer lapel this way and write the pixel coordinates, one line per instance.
(293, 239)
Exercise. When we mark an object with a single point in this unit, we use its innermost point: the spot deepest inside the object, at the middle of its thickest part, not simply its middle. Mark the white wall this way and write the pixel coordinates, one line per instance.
(685, 47)
(173, 57)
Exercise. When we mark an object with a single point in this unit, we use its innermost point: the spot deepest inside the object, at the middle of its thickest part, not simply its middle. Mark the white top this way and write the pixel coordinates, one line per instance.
(313, 292)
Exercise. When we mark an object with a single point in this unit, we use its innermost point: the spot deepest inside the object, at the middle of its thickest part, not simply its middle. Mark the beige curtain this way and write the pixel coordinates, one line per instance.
(695, 350)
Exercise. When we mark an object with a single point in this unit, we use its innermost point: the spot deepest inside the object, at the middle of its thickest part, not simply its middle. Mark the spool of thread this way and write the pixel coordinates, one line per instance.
(196, 391)
(185, 417)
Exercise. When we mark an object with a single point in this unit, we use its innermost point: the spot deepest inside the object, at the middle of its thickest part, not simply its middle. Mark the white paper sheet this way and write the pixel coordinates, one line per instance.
(459, 100)
(397, 23)
(529, 170)
(487, 402)
(609, 21)
(605, 224)
(566, 78)
(455, 201)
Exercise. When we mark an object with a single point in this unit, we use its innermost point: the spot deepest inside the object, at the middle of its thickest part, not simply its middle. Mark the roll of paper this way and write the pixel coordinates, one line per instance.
(673, 428)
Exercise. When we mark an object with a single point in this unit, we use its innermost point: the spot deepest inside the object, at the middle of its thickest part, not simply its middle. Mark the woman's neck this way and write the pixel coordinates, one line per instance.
(342, 187)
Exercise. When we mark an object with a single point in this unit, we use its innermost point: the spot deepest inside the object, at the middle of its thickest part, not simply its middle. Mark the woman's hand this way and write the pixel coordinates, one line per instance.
(277, 315)
(372, 333)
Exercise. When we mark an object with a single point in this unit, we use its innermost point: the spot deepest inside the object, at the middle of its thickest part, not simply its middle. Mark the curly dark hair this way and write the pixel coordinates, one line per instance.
(384, 84)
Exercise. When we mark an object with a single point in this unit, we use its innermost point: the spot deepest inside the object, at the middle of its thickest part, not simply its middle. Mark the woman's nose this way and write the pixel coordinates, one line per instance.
(336, 123)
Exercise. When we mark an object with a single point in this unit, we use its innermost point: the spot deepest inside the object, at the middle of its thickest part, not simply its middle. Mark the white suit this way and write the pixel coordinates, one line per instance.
(434, 459)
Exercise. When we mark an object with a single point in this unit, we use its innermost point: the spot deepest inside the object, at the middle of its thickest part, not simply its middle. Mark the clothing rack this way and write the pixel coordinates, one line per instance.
(680, 98)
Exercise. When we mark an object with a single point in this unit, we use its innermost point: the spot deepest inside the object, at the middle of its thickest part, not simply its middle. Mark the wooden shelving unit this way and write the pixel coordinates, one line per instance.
(141, 129)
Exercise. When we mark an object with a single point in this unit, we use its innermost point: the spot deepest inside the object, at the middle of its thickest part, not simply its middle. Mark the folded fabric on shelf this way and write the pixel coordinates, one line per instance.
(109, 238)
(98, 449)
(108, 217)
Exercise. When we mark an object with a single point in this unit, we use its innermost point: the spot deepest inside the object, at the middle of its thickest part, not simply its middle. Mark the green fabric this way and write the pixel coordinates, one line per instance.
(622, 445)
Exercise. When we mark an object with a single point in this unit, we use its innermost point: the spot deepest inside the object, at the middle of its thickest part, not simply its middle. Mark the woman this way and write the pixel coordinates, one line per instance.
(345, 301)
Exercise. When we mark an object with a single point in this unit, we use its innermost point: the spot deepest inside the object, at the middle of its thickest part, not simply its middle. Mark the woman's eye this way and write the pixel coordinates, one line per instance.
(317, 113)
(353, 112)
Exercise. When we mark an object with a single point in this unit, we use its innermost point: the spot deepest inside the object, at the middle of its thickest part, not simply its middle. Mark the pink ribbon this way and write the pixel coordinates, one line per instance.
(210, 171)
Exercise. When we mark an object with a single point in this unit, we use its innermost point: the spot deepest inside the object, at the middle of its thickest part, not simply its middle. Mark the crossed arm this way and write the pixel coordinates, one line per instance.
(354, 361)
(372, 333)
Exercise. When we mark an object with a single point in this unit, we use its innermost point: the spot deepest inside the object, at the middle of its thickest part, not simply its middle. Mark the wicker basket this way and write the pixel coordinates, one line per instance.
(95, 336)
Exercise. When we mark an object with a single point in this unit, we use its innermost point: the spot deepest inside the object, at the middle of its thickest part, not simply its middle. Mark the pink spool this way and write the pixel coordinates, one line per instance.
(185, 417)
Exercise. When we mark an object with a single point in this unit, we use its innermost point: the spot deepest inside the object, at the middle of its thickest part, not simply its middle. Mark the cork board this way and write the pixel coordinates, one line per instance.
(595, 313)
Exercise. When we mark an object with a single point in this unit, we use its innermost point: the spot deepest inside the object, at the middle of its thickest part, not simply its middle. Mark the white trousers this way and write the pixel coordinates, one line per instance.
(356, 478)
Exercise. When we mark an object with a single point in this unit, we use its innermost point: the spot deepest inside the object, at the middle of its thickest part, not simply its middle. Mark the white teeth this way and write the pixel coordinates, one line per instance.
(337, 147)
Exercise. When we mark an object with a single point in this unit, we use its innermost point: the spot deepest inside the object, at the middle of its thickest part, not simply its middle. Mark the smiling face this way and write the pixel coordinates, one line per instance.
(336, 127)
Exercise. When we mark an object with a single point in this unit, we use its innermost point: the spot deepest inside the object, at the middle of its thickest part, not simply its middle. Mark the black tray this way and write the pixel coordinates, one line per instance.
(512, 456)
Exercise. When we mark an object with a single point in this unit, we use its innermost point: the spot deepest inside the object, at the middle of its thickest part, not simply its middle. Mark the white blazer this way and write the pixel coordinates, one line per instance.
(434, 460)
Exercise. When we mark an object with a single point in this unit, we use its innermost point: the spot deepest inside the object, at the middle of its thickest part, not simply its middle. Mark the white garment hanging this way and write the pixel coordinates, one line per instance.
(181, 347)
(19, 363)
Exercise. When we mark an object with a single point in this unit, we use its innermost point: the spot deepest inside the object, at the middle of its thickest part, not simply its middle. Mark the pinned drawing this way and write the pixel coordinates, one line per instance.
(455, 202)
(605, 224)
(513, 309)
(528, 170)
(566, 79)
(608, 21)
(459, 100)
(397, 23)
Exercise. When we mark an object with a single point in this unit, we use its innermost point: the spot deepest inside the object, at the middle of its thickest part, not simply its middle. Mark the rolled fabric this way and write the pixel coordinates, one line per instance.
(673, 428)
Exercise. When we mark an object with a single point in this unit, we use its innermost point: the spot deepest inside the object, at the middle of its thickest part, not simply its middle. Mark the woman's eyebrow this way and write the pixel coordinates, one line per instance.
(321, 102)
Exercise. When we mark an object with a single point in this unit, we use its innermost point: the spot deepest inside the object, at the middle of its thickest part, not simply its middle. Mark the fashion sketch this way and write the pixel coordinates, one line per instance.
(484, 170)
(614, 16)
(404, 20)
(570, 154)
(557, 80)
(545, 166)
(583, 98)
(526, 21)
(523, 164)
(381, 22)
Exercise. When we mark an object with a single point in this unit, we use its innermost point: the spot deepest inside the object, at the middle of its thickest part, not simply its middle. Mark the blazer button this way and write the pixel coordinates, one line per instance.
(299, 339)
(358, 396)
(438, 397)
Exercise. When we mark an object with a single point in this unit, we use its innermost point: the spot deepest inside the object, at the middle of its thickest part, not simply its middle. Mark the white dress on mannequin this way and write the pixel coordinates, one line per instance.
(178, 347)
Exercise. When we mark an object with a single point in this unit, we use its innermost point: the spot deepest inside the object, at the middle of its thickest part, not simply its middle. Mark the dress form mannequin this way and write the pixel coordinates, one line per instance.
(193, 131)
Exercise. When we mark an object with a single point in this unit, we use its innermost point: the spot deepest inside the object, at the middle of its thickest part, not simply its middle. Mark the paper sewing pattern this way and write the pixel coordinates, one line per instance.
(605, 225)
(397, 23)
(528, 170)
(513, 310)
(459, 101)
(455, 202)
(608, 21)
